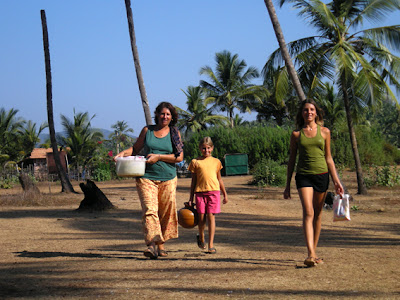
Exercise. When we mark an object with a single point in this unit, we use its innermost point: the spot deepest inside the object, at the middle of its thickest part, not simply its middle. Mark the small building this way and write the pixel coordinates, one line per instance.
(41, 161)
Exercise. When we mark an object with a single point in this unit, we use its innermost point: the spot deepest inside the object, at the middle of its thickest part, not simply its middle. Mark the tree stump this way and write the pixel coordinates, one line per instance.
(31, 191)
(94, 198)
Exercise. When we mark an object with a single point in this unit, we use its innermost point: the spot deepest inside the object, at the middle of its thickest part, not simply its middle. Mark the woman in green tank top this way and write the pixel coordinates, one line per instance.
(163, 148)
(312, 142)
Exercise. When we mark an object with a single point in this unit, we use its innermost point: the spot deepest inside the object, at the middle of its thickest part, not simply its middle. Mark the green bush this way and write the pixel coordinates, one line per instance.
(387, 176)
(9, 182)
(372, 147)
(102, 172)
(258, 142)
(269, 172)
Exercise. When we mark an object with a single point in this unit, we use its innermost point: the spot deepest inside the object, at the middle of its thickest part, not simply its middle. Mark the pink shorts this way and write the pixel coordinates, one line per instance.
(208, 202)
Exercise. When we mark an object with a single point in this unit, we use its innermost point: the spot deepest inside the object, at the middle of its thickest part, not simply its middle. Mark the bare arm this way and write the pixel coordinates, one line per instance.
(135, 149)
(151, 157)
(192, 187)
(168, 158)
(326, 134)
(292, 160)
(222, 187)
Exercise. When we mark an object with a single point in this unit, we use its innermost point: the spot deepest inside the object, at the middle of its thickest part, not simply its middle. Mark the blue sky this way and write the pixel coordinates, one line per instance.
(91, 58)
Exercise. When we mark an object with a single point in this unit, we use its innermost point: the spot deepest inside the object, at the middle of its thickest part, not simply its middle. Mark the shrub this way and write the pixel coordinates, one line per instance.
(387, 176)
(9, 182)
(258, 142)
(269, 172)
(372, 147)
(102, 172)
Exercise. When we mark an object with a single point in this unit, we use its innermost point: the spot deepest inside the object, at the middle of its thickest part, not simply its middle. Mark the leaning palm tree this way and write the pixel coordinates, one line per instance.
(230, 85)
(197, 116)
(283, 48)
(136, 61)
(359, 61)
(65, 183)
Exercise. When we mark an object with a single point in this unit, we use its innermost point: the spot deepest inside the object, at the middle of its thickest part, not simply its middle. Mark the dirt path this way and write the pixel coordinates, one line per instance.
(51, 251)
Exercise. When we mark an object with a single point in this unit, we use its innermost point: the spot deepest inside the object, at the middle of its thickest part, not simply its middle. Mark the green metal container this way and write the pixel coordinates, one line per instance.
(236, 164)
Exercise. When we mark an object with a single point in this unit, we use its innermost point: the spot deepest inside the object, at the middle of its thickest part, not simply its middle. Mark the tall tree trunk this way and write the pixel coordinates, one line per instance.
(362, 189)
(136, 60)
(65, 183)
(285, 53)
(231, 118)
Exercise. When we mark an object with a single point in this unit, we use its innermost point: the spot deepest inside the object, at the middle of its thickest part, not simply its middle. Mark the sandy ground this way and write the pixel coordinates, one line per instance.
(52, 251)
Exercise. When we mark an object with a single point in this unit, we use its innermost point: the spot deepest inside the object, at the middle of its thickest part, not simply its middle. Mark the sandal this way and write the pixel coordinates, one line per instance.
(310, 261)
(319, 261)
(150, 252)
(200, 243)
(162, 253)
(212, 250)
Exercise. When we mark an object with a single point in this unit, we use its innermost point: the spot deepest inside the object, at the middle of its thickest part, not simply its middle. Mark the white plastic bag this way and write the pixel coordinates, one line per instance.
(341, 208)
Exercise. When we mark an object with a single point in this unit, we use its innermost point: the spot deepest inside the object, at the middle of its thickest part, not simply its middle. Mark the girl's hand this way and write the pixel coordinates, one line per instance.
(286, 193)
(225, 201)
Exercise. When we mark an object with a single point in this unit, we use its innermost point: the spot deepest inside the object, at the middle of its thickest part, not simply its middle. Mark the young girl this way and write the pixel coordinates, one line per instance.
(313, 143)
(207, 184)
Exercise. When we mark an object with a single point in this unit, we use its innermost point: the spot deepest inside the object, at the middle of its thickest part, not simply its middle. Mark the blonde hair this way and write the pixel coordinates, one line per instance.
(206, 141)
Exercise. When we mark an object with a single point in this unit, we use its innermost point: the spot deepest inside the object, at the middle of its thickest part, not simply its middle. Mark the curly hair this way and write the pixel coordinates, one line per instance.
(172, 110)
(299, 117)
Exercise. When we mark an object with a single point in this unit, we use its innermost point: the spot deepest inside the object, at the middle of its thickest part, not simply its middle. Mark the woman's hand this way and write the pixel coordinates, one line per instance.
(153, 158)
(339, 188)
(123, 153)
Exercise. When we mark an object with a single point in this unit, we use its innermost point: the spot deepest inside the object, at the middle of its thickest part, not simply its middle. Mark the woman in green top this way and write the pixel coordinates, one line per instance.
(315, 163)
(163, 148)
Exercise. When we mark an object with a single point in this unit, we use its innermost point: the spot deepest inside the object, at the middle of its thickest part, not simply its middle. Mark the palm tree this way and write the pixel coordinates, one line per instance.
(80, 138)
(285, 53)
(66, 185)
(275, 105)
(360, 62)
(332, 106)
(197, 116)
(120, 135)
(230, 86)
(136, 61)
(30, 136)
(10, 130)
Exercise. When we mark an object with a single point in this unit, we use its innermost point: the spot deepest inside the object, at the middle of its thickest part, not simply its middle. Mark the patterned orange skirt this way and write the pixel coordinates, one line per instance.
(159, 216)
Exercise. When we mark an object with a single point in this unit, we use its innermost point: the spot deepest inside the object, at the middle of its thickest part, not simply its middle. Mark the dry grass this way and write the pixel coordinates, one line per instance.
(51, 251)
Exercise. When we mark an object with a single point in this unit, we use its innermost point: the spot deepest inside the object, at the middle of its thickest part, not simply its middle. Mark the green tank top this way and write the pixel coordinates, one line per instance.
(311, 154)
(160, 170)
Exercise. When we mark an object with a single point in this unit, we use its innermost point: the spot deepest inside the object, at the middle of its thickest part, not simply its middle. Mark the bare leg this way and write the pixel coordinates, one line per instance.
(211, 230)
(201, 225)
(306, 196)
(318, 204)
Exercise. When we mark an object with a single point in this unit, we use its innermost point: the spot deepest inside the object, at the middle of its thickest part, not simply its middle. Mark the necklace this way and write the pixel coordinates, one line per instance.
(310, 128)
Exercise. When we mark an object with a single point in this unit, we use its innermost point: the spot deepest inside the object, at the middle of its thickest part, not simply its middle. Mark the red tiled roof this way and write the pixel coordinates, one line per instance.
(40, 153)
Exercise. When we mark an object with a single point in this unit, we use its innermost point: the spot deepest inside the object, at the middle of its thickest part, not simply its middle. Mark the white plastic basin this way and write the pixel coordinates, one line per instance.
(131, 166)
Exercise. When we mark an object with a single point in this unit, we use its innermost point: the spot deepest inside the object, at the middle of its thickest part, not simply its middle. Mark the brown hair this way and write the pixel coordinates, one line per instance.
(299, 117)
(171, 108)
(206, 141)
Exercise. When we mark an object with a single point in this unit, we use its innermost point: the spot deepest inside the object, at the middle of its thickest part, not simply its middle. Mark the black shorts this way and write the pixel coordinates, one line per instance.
(319, 182)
